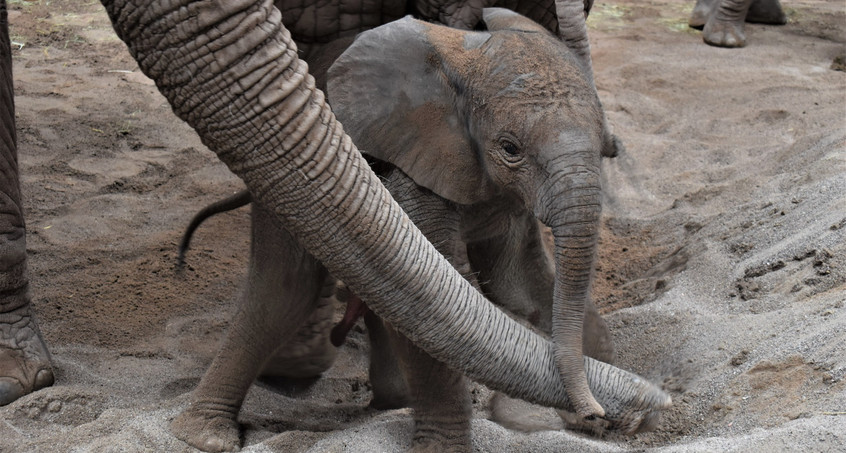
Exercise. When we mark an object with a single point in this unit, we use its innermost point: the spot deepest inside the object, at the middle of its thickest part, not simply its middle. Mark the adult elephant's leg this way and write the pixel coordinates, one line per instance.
(701, 12)
(725, 26)
(284, 283)
(24, 360)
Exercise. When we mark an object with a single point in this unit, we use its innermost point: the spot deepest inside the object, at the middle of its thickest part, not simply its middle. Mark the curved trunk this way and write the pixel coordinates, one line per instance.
(570, 205)
(231, 71)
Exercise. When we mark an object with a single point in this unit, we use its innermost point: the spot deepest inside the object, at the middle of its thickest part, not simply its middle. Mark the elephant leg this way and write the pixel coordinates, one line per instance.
(725, 26)
(438, 395)
(701, 12)
(390, 391)
(514, 266)
(310, 352)
(284, 286)
(767, 12)
(24, 359)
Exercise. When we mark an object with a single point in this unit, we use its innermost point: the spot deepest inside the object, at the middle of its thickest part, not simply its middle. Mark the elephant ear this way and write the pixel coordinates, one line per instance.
(395, 97)
(497, 19)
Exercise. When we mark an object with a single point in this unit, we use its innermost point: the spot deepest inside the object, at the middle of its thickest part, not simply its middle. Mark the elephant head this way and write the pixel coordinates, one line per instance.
(510, 112)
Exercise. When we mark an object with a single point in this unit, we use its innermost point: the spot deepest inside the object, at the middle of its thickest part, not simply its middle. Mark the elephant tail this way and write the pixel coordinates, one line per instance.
(241, 198)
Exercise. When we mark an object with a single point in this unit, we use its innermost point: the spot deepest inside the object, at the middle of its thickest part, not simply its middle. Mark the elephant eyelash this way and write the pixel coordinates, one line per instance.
(510, 150)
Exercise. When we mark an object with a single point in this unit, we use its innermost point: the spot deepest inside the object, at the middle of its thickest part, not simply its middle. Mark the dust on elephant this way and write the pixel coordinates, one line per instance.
(219, 52)
(24, 360)
(473, 94)
(722, 21)
(231, 70)
(495, 130)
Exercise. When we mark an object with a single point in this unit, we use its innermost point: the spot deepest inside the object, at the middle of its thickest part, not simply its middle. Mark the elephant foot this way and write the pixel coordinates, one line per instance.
(441, 439)
(601, 428)
(519, 415)
(767, 12)
(210, 431)
(24, 359)
(724, 33)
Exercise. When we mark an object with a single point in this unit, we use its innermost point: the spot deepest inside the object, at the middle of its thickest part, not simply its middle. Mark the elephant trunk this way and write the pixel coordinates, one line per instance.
(230, 69)
(569, 203)
(572, 29)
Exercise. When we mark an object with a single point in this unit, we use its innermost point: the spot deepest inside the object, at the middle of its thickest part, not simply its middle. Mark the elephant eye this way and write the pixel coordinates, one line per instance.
(510, 149)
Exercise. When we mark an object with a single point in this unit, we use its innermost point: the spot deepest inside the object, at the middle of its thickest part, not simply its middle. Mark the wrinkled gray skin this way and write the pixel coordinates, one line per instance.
(416, 93)
(24, 360)
(496, 130)
(722, 21)
(266, 120)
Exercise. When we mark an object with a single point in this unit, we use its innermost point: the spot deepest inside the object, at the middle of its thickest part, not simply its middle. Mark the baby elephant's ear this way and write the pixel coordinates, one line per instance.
(392, 94)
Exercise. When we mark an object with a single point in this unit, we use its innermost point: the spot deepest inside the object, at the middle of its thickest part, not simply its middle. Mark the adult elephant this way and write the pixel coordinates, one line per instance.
(24, 360)
(244, 53)
(722, 21)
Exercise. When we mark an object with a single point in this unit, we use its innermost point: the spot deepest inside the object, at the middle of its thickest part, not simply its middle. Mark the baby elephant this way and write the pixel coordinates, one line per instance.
(485, 139)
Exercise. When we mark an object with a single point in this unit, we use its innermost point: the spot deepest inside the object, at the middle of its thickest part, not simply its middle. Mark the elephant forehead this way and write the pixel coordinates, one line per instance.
(534, 98)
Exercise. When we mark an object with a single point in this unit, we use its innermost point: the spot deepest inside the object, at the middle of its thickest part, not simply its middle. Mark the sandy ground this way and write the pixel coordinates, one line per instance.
(721, 271)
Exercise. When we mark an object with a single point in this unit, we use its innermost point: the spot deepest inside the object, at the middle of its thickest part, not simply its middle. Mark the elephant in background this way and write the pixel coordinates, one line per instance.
(24, 359)
(722, 21)
(505, 128)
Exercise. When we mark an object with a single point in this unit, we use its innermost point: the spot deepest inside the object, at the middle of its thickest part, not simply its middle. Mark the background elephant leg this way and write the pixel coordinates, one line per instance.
(766, 12)
(284, 284)
(390, 390)
(701, 12)
(24, 360)
(725, 26)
